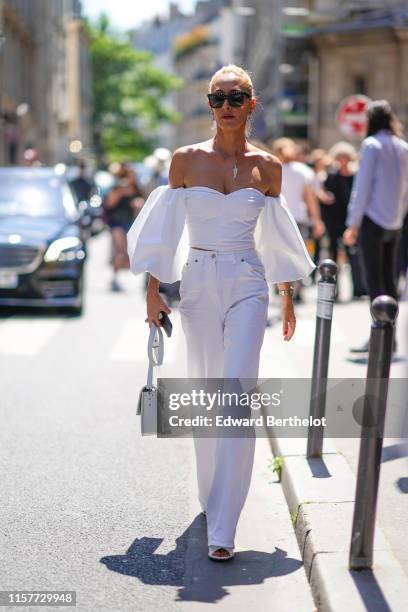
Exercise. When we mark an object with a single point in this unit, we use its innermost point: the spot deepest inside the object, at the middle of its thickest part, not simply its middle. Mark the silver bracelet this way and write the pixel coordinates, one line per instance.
(289, 291)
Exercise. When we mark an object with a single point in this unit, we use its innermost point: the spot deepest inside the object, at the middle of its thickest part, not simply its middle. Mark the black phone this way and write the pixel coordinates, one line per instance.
(166, 323)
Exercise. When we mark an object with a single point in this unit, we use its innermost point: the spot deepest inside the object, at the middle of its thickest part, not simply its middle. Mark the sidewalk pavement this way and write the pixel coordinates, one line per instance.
(268, 560)
(320, 492)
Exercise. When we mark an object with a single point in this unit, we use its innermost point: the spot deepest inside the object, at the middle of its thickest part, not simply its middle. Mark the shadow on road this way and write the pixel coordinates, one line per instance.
(394, 451)
(364, 360)
(402, 484)
(373, 598)
(188, 567)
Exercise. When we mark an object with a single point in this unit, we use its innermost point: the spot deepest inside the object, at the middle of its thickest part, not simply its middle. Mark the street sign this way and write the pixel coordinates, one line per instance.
(351, 115)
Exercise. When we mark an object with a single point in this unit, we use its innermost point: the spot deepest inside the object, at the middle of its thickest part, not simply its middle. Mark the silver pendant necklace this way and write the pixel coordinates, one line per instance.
(235, 169)
(235, 166)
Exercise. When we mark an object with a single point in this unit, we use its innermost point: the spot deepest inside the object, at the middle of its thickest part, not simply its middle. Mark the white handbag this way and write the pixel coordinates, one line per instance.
(147, 405)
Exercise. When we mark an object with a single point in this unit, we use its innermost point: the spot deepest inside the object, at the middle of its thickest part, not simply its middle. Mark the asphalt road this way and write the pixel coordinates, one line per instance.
(88, 504)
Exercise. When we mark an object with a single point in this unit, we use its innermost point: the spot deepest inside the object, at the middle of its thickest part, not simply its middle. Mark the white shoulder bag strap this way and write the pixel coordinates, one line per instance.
(155, 351)
(147, 404)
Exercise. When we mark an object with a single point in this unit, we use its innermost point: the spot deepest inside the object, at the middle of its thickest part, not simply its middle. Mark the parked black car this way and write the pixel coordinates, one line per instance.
(42, 247)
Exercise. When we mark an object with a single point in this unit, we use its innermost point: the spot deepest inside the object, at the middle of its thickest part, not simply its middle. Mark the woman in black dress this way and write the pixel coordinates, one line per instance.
(338, 185)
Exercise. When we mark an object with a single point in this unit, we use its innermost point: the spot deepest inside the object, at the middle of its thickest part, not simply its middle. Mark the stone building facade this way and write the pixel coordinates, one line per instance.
(365, 55)
(196, 67)
(305, 57)
(44, 80)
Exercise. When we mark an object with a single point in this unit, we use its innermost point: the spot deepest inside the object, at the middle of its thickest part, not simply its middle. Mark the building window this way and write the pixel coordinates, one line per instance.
(360, 85)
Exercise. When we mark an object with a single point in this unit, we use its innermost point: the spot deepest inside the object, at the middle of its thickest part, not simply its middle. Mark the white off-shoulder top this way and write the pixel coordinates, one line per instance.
(173, 219)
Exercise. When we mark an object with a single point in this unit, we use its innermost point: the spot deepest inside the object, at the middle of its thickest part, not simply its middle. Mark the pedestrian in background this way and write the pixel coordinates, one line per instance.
(337, 186)
(402, 267)
(122, 204)
(319, 161)
(83, 185)
(302, 154)
(379, 202)
(159, 163)
(297, 187)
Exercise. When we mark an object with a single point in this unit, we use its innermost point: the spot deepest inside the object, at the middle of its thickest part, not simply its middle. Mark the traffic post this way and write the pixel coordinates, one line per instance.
(384, 311)
(326, 291)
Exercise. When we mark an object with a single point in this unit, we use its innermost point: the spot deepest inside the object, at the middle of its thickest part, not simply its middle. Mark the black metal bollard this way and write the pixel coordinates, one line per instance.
(384, 311)
(326, 290)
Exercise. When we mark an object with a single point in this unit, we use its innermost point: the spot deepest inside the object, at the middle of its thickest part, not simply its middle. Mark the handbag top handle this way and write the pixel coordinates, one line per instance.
(155, 351)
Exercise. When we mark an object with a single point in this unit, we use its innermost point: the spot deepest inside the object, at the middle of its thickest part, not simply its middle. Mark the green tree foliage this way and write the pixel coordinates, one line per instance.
(128, 95)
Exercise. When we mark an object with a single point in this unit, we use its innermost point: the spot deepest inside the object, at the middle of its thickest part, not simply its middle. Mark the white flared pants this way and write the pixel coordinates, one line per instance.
(223, 309)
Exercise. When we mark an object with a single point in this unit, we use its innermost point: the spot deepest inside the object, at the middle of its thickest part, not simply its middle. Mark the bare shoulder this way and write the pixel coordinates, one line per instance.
(271, 168)
(181, 160)
(178, 166)
(271, 163)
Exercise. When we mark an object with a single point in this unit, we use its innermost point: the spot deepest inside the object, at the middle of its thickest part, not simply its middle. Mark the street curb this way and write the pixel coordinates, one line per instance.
(320, 496)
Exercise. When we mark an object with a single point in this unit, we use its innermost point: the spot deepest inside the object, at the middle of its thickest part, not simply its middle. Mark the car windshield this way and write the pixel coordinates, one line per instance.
(35, 197)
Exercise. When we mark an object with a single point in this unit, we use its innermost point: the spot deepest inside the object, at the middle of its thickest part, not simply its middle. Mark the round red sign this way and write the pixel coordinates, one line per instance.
(351, 115)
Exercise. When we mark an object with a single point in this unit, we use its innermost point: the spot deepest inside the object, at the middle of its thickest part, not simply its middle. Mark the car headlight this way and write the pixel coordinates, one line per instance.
(95, 201)
(60, 248)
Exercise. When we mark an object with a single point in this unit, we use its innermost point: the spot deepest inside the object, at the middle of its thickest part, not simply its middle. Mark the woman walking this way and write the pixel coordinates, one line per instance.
(121, 205)
(227, 193)
(379, 202)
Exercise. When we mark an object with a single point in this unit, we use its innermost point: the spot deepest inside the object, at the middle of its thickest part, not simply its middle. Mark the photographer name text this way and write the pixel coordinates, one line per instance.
(259, 421)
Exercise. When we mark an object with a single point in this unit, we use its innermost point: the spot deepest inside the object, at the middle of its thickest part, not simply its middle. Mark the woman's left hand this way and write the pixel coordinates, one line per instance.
(288, 318)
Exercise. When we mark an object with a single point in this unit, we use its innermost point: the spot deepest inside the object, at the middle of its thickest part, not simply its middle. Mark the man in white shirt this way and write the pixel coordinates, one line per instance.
(379, 202)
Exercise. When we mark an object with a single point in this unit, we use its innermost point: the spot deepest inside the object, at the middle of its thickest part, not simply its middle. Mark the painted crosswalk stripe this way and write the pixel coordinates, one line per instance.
(26, 336)
(131, 344)
(131, 341)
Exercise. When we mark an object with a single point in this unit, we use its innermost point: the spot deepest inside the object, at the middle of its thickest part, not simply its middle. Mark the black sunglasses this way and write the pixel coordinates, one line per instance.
(235, 98)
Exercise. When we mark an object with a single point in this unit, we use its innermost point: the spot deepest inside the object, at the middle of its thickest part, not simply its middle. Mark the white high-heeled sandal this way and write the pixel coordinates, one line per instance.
(212, 548)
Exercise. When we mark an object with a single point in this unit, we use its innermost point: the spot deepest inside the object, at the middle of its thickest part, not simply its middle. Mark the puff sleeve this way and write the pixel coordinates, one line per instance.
(280, 243)
(154, 238)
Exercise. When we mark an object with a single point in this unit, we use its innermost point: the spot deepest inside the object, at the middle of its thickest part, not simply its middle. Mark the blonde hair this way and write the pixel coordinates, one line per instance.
(343, 148)
(246, 83)
(239, 72)
(317, 155)
(284, 148)
(321, 156)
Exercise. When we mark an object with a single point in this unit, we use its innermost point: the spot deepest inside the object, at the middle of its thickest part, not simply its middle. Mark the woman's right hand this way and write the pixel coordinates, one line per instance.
(288, 318)
(155, 304)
